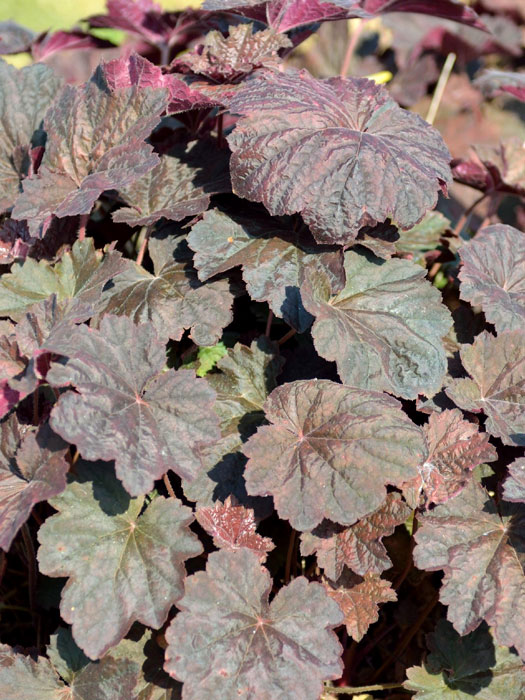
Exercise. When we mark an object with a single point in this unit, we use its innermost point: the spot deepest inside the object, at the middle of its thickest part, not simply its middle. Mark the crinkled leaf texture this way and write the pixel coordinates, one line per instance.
(330, 451)
(359, 546)
(274, 255)
(33, 468)
(359, 599)
(245, 646)
(497, 387)
(95, 142)
(340, 152)
(233, 526)
(384, 329)
(178, 186)
(172, 298)
(514, 486)
(126, 407)
(480, 549)
(454, 448)
(459, 668)
(80, 274)
(25, 96)
(134, 570)
(493, 275)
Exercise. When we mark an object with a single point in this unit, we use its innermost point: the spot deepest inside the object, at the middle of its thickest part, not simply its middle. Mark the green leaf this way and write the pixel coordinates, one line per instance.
(208, 358)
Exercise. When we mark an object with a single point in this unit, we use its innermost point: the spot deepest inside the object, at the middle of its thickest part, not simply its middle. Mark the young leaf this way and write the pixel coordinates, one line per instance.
(493, 275)
(134, 570)
(480, 553)
(384, 329)
(248, 646)
(514, 486)
(340, 152)
(330, 451)
(95, 142)
(178, 186)
(359, 546)
(25, 96)
(359, 600)
(454, 448)
(497, 387)
(33, 468)
(459, 668)
(80, 274)
(233, 526)
(423, 237)
(274, 256)
(172, 298)
(495, 169)
(125, 407)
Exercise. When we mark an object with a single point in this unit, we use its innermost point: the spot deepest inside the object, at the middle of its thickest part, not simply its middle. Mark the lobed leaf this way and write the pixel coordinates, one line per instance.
(493, 275)
(246, 645)
(497, 384)
(340, 152)
(514, 485)
(134, 570)
(126, 407)
(330, 451)
(384, 329)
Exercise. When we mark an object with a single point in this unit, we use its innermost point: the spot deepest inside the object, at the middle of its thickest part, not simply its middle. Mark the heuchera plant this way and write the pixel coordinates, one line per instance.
(262, 404)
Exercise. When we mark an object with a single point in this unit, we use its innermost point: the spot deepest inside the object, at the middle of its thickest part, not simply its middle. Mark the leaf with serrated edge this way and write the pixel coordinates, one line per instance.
(340, 152)
(125, 407)
(384, 329)
(359, 600)
(454, 448)
(233, 526)
(33, 468)
(359, 546)
(514, 486)
(493, 275)
(330, 451)
(459, 668)
(81, 274)
(172, 298)
(24, 97)
(497, 386)
(274, 257)
(95, 142)
(246, 645)
(481, 553)
(23, 678)
(134, 570)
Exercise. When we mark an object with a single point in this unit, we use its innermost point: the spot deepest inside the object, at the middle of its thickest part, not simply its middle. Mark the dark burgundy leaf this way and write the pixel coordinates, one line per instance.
(302, 138)
(496, 82)
(274, 254)
(459, 668)
(33, 468)
(25, 96)
(233, 527)
(15, 241)
(126, 407)
(514, 486)
(497, 384)
(384, 329)
(454, 448)
(480, 549)
(14, 38)
(360, 546)
(493, 275)
(330, 451)
(172, 298)
(134, 570)
(248, 646)
(95, 142)
(495, 168)
(359, 600)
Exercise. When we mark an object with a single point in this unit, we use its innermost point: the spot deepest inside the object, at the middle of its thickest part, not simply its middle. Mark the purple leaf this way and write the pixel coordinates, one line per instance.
(514, 485)
(135, 568)
(302, 138)
(248, 646)
(14, 38)
(329, 452)
(495, 82)
(495, 168)
(497, 385)
(48, 44)
(15, 241)
(126, 407)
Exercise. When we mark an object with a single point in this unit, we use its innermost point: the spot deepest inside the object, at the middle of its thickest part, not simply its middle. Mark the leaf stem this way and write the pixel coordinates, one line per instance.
(358, 690)
(289, 556)
(463, 219)
(31, 568)
(35, 407)
(82, 225)
(268, 324)
(143, 245)
(169, 487)
(287, 336)
(220, 126)
(440, 87)
(164, 54)
(353, 40)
